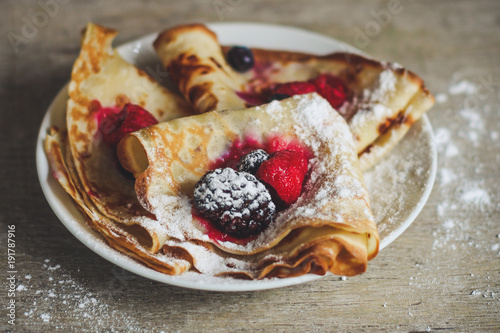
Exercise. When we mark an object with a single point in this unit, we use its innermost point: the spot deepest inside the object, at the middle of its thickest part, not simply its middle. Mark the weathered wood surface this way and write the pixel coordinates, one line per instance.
(443, 273)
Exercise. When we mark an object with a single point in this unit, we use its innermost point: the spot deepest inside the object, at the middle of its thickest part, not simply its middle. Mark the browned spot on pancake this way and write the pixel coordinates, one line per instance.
(178, 253)
(79, 115)
(397, 120)
(171, 34)
(144, 74)
(141, 235)
(409, 121)
(367, 149)
(97, 53)
(121, 100)
(216, 63)
(390, 124)
(77, 136)
(184, 68)
(202, 91)
(160, 113)
(84, 155)
(210, 103)
(196, 92)
(382, 128)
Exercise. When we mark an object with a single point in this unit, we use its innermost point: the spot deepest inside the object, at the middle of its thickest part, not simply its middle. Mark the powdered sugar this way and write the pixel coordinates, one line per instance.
(371, 105)
(462, 87)
(55, 287)
(240, 203)
(476, 196)
(321, 129)
(398, 183)
(463, 188)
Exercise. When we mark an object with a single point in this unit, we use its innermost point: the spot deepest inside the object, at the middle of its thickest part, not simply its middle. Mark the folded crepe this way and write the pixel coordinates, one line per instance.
(329, 228)
(88, 168)
(384, 99)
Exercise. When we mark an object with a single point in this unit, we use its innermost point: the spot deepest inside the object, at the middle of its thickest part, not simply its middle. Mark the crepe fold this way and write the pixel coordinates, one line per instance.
(329, 228)
(126, 238)
(88, 169)
(384, 100)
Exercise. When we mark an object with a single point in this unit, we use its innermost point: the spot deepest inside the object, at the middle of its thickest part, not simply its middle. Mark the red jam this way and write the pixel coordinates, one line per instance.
(275, 143)
(330, 87)
(218, 236)
(230, 159)
(114, 123)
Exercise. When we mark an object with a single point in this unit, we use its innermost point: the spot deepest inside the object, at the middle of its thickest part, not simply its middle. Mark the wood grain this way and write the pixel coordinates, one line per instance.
(443, 273)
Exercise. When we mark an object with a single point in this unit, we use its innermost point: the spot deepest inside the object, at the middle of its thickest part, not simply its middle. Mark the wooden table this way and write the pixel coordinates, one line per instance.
(443, 273)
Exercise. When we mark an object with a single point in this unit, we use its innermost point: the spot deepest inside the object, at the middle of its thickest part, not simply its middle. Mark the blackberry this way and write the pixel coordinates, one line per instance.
(240, 58)
(278, 97)
(251, 162)
(236, 202)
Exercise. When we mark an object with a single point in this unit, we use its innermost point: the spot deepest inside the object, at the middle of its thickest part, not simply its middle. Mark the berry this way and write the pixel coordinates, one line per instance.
(328, 86)
(236, 202)
(295, 88)
(284, 172)
(251, 162)
(130, 119)
(240, 58)
(278, 97)
(331, 88)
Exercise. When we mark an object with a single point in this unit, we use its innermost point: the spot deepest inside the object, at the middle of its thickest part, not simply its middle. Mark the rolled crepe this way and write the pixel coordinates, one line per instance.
(329, 228)
(385, 100)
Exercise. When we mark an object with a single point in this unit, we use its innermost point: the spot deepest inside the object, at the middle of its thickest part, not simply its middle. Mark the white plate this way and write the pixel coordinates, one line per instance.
(402, 186)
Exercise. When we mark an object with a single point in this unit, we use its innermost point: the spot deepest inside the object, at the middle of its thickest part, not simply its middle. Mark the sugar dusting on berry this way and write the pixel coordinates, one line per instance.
(236, 202)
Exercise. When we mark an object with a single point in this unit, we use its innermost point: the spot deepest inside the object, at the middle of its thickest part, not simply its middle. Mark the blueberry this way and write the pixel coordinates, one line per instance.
(278, 97)
(240, 58)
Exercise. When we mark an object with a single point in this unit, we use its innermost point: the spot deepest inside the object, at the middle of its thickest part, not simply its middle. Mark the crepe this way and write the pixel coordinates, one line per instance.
(329, 228)
(88, 169)
(128, 239)
(384, 100)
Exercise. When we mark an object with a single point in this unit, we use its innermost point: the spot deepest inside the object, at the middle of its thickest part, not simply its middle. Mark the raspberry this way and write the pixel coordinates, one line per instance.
(284, 172)
(130, 119)
(236, 202)
(328, 86)
(331, 88)
(278, 143)
(251, 162)
(295, 88)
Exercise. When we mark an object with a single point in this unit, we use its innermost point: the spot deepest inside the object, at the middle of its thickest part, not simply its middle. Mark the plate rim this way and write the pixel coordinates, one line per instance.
(85, 234)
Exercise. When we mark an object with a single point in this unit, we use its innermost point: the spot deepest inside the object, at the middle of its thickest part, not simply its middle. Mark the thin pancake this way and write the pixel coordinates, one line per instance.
(329, 228)
(385, 99)
(100, 79)
(118, 236)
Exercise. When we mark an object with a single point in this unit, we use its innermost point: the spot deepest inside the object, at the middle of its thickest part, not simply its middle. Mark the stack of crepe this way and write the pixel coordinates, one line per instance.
(149, 216)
